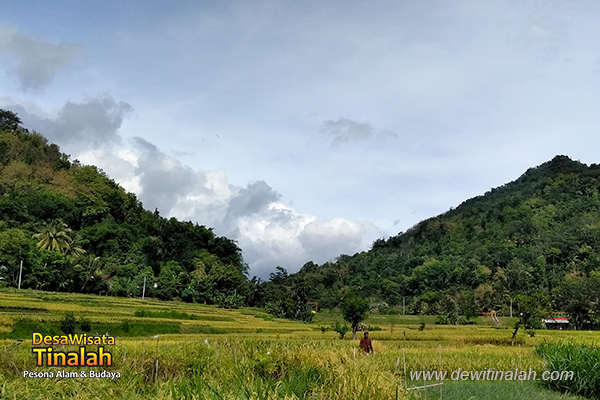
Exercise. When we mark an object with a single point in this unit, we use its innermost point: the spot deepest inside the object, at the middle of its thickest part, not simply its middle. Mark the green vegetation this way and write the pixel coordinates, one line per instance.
(67, 324)
(582, 359)
(532, 241)
(536, 239)
(355, 311)
(75, 230)
(246, 357)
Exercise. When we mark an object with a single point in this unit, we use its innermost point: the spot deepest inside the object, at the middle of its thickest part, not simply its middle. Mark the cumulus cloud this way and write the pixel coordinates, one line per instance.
(336, 236)
(36, 62)
(344, 130)
(163, 179)
(269, 232)
(90, 124)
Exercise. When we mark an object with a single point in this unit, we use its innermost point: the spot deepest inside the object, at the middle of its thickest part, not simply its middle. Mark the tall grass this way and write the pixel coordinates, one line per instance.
(582, 359)
(212, 353)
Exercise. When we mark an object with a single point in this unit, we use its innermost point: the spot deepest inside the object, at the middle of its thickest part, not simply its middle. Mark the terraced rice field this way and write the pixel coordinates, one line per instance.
(172, 350)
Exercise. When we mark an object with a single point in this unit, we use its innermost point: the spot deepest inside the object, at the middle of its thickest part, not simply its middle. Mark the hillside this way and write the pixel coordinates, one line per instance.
(76, 230)
(538, 236)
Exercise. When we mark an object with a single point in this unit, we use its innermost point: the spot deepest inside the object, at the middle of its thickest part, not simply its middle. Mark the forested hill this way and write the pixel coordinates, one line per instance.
(75, 229)
(537, 236)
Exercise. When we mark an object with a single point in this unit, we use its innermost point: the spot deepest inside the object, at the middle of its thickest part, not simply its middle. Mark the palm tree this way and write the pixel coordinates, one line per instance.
(54, 236)
(88, 267)
(75, 247)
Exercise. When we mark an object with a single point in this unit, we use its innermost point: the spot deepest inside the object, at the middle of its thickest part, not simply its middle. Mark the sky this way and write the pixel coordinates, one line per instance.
(306, 129)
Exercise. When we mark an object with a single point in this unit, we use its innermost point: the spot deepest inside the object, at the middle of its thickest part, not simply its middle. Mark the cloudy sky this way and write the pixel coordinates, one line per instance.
(306, 129)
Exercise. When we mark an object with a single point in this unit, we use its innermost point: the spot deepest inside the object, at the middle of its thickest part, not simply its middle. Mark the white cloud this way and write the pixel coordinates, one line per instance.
(269, 232)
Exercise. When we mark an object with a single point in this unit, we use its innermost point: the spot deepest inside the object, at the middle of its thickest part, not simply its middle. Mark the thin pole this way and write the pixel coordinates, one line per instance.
(144, 289)
(20, 273)
(403, 305)
(404, 363)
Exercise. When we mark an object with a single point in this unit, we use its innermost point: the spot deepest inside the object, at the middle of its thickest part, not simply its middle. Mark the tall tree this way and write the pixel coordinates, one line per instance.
(9, 120)
(355, 311)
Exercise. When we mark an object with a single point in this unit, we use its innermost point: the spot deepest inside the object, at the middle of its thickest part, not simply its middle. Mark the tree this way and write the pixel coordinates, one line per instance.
(87, 268)
(579, 296)
(355, 311)
(55, 237)
(530, 314)
(9, 121)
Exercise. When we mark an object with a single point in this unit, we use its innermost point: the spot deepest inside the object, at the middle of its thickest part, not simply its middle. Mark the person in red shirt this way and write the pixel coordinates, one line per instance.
(365, 343)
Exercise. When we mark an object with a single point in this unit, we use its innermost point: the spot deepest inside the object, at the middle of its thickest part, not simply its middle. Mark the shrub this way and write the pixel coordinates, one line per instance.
(422, 326)
(229, 301)
(125, 325)
(342, 329)
(85, 324)
(67, 324)
(530, 332)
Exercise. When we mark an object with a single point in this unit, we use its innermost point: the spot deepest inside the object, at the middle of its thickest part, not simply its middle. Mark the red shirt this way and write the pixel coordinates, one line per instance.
(366, 345)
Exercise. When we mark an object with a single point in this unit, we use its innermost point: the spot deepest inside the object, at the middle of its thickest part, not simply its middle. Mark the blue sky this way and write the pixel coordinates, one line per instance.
(304, 130)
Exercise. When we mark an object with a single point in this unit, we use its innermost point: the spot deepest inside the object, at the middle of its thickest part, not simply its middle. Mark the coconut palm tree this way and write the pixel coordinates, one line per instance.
(75, 247)
(88, 267)
(54, 236)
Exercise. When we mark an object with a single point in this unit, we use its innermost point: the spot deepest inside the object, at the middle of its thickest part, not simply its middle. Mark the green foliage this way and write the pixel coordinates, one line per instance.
(578, 295)
(67, 324)
(85, 324)
(105, 240)
(9, 120)
(126, 325)
(530, 314)
(539, 233)
(229, 301)
(341, 329)
(582, 359)
(355, 311)
(422, 326)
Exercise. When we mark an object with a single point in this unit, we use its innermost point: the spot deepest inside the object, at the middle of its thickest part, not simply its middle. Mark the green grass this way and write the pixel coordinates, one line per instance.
(171, 314)
(465, 390)
(582, 359)
(24, 329)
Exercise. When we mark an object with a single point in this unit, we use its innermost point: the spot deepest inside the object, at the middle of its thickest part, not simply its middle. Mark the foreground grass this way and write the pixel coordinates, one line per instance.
(465, 390)
(171, 350)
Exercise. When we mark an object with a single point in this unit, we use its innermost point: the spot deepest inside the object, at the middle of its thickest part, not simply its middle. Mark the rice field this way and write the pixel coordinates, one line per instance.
(172, 350)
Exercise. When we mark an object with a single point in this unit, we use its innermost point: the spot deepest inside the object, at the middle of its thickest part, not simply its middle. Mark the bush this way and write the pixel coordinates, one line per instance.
(342, 329)
(67, 324)
(581, 359)
(125, 325)
(422, 326)
(85, 324)
(530, 332)
(229, 301)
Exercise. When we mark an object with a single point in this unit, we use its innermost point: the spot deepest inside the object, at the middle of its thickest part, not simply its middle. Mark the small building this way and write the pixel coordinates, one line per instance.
(559, 323)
